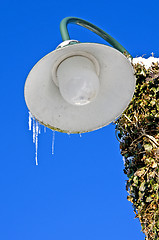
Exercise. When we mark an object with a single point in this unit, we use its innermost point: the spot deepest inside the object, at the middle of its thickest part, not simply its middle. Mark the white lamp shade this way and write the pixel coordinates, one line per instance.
(116, 88)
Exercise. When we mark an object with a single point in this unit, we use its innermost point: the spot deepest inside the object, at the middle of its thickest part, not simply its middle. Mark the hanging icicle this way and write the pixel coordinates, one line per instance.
(30, 120)
(53, 142)
(36, 128)
(36, 142)
(33, 130)
(34, 125)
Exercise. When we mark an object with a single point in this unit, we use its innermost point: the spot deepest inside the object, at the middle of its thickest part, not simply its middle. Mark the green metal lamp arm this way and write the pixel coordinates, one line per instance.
(93, 28)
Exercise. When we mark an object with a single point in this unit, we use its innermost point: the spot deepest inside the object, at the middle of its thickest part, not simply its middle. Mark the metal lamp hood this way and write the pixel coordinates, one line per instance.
(80, 87)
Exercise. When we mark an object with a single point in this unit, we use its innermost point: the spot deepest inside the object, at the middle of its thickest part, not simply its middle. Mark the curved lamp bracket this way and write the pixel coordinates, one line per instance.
(93, 28)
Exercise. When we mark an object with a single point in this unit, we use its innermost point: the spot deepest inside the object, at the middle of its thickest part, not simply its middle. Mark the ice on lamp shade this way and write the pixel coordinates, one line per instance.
(78, 80)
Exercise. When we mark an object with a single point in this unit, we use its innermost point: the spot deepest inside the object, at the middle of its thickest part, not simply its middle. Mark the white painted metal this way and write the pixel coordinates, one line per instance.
(117, 84)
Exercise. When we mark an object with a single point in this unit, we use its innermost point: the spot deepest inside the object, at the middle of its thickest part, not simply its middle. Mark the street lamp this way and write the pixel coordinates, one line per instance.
(80, 87)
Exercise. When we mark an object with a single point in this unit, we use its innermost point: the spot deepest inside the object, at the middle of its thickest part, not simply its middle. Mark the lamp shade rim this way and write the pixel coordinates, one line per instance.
(117, 85)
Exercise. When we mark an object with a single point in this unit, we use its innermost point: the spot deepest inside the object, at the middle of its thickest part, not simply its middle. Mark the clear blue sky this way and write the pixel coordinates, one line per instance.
(79, 192)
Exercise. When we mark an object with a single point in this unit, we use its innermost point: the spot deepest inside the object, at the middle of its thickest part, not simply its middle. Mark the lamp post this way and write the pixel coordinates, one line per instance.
(80, 87)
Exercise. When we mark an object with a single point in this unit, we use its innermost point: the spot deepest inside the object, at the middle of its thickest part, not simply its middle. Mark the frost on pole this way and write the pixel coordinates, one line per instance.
(146, 62)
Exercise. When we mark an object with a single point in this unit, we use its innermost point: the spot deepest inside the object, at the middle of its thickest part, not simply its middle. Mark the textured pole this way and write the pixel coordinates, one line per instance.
(138, 132)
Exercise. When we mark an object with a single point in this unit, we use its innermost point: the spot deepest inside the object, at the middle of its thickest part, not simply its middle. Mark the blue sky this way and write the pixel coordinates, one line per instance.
(79, 192)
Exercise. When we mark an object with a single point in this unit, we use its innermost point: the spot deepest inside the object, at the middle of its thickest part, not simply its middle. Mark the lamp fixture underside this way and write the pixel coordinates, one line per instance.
(116, 88)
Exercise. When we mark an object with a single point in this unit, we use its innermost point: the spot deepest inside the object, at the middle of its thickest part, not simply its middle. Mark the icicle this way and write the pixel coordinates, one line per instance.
(33, 130)
(53, 142)
(39, 129)
(36, 142)
(44, 129)
(80, 135)
(35, 127)
(30, 120)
